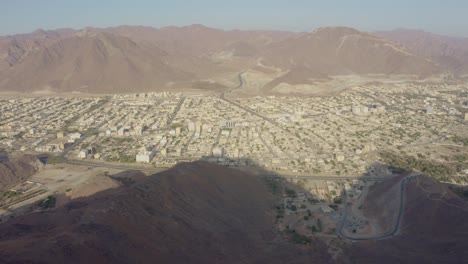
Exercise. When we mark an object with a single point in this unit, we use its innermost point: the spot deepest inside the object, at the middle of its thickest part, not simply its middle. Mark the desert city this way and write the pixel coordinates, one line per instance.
(193, 144)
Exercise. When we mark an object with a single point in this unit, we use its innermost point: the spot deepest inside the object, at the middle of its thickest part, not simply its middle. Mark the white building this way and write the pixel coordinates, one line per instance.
(145, 156)
(191, 126)
(164, 152)
(218, 152)
(75, 136)
(364, 110)
(356, 109)
(139, 130)
(83, 154)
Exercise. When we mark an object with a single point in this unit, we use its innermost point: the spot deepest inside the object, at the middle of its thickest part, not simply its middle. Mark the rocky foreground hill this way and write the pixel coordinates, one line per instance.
(14, 170)
(204, 213)
(434, 225)
(193, 213)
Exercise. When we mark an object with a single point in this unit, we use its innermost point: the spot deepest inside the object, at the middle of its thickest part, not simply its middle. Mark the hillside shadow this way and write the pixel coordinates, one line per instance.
(293, 194)
(247, 166)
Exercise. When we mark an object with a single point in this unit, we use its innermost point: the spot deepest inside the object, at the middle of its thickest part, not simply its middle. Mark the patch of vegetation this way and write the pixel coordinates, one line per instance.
(279, 212)
(84, 146)
(337, 200)
(290, 193)
(122, 158)
(49, 202)
(298, 238)
(273, 185)
(461, 140)
(460, 191)
(124, 140)
(127, 158)
(437, 170)
(319, 225)
(10, 194)
(55, 159)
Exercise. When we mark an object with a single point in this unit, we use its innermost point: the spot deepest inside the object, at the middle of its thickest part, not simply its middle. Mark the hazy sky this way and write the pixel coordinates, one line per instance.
(440, 16)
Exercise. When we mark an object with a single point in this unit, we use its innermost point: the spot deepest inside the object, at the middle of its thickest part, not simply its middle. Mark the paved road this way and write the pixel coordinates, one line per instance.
(176, 110)
(320, 177)
(271, 121)
(241, 83)
(266, 175)
(396, 228)
(114, 166)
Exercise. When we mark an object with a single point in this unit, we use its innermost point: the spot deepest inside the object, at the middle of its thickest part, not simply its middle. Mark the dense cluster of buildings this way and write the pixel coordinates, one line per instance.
(337, 135)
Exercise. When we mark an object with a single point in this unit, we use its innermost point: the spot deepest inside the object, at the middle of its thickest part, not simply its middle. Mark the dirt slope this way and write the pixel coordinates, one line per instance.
(193, 213)
(88, 62)
(343, 51)
(16, 170)
(451, 53)
(434, 229)
(130, 59)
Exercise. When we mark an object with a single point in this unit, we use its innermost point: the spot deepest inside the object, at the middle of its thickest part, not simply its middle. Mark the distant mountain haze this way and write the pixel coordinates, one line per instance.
(449, 53)
(130, 59)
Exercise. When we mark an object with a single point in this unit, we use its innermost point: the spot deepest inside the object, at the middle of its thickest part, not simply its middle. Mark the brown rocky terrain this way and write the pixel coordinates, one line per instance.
(193, 213)
(205, 213)
(139, 59)
(13, 49)
(17, 169)
(450, 53)
(93, 62)
(343, 51)
(433, 230)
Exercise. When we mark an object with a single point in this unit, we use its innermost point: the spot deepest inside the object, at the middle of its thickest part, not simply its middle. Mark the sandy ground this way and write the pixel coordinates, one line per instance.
(72, 180)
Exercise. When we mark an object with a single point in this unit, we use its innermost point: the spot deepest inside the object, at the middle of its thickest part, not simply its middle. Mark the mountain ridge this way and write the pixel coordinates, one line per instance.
(159, 58)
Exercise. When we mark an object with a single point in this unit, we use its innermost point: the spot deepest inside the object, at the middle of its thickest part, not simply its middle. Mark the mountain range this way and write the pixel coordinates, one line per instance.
(139, 59)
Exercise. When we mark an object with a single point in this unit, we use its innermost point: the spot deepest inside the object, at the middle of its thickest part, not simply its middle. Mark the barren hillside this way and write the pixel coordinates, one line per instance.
(449, 52)
(130, 59)
(88, 62)
(193, 213)
(17, 169)
(434, 227)
(342, 51)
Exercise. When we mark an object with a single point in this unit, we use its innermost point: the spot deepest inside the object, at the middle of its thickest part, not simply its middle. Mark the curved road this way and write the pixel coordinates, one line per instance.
(396, 228)
(241, 83)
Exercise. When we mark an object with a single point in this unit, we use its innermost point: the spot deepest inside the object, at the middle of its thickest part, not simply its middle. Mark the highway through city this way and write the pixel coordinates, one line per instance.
(122, 167)
(176, 110)
(396, 228)
(125, 167)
